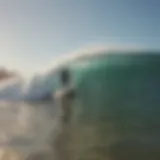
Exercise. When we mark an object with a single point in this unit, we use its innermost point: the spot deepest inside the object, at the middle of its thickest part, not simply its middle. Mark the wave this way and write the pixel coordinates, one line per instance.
(43, 83)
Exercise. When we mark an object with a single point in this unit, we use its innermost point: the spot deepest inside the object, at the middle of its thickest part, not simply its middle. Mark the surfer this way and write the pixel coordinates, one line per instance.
(64, 99)
(66, 95)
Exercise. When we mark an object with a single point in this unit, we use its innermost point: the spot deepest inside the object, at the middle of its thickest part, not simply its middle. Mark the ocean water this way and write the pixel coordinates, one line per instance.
(27, 130)
(115, 116)
(36, 131)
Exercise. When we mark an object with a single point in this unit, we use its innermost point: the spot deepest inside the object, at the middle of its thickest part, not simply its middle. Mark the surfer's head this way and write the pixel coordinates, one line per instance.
(65, 76)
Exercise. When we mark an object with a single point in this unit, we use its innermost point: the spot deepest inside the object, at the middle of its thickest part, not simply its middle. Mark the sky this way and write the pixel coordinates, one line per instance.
(34, 32)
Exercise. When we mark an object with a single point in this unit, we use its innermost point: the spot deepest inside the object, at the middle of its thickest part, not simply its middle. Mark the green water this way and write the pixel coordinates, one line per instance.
(116, 113)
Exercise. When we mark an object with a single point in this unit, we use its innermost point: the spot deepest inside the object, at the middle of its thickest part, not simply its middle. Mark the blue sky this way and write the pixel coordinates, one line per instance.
(33, 32)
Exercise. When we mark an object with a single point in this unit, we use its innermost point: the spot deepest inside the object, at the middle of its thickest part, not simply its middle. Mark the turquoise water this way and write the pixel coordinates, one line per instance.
(116, 114)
